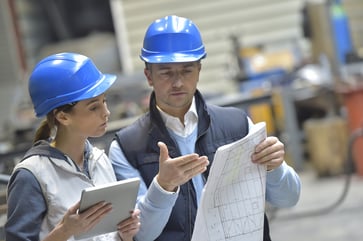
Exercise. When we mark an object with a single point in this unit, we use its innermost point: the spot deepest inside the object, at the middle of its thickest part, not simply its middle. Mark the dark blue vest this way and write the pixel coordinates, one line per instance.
(217, 126)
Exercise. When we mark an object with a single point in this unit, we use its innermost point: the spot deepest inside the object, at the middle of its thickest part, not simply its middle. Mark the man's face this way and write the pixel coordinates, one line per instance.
(174, 85)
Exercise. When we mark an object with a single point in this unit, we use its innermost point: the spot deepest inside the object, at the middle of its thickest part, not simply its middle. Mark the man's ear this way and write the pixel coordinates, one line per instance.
(147, 73)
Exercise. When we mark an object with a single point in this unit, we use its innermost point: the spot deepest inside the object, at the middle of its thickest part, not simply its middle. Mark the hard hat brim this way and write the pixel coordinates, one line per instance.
(172, 58)
(101, 86)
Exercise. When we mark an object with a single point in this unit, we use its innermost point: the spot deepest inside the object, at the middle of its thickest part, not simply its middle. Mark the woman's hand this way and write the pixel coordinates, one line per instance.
(74, 222)
(128, 228)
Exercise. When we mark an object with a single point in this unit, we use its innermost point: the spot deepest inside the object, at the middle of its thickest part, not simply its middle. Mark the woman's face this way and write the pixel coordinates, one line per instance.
(88, 118)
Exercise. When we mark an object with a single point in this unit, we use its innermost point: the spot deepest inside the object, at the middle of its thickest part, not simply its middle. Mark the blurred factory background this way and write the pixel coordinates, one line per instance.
(295, 64)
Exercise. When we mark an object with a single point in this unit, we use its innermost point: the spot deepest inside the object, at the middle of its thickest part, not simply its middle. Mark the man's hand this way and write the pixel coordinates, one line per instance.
(177, 171)
(269, 152)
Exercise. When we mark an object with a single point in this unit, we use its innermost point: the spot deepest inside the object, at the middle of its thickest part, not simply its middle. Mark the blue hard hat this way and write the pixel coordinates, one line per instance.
(64, 78)
(172, 39)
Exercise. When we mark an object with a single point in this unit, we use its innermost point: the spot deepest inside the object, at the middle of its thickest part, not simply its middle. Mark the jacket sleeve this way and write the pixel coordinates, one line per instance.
(154, 203)
(26, 207)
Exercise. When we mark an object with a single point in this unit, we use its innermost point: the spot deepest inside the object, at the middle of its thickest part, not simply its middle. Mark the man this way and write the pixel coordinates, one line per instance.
(172, 145)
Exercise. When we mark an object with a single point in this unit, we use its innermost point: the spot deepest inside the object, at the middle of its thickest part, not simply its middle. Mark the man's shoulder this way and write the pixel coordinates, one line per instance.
(225, 110)
(141, 122)
(136, 131)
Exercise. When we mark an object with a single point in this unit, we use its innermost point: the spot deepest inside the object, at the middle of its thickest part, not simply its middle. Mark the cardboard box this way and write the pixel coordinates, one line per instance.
(327, 144)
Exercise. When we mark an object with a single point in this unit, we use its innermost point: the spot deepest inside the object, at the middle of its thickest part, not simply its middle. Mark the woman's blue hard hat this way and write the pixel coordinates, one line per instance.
(64, 78)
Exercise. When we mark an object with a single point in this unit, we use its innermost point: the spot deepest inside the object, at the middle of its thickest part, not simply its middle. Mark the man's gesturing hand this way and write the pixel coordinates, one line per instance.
(174, 172)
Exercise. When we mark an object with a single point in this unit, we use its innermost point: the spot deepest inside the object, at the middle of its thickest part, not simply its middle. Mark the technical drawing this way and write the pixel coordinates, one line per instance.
(233, 202)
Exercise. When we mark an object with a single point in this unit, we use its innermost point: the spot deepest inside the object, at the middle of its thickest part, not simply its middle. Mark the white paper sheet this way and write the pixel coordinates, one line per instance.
(233, 200)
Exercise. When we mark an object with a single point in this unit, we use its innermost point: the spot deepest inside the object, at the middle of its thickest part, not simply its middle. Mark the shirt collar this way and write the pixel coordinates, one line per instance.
(175, 125)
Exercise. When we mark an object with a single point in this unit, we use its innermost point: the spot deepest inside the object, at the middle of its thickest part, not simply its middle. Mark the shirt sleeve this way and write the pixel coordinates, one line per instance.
(283, 185)
(26, 207)
(155, 204)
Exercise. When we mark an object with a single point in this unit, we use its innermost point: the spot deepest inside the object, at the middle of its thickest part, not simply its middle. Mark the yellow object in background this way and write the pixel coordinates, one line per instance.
(263, 112)
(275, 60)
(270, 112)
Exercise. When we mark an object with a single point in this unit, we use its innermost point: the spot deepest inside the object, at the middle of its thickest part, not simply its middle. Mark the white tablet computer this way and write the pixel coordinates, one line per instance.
(122, 194)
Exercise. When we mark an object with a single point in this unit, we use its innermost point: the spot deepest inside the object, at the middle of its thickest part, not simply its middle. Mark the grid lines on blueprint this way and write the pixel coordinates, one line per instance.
(239, 197)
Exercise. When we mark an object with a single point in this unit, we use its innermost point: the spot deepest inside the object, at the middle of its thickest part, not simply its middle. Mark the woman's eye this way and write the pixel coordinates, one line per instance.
(95, 106)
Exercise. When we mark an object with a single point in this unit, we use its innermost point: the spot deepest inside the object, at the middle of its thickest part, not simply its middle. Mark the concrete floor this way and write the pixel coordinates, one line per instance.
(310, 220)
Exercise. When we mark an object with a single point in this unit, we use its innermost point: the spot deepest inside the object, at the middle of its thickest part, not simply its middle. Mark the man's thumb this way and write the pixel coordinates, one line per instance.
(164, 153)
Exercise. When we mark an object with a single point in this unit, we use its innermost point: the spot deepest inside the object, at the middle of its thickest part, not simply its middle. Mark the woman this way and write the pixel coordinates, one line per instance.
(45, 187)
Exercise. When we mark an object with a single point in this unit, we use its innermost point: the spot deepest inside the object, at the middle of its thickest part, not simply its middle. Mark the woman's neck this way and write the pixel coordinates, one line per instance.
(74, 149)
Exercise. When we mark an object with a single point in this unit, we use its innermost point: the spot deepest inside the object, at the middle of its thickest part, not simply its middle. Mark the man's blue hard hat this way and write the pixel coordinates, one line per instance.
(172, 39)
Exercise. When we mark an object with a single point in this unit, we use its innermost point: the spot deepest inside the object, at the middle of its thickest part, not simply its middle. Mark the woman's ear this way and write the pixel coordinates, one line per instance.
(61, 117)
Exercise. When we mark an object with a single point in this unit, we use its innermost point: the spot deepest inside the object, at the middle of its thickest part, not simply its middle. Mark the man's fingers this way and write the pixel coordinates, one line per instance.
(200, 163)
(164, 152)
(188, 160)
(269, 141)
(198, 166)
(183, 161)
